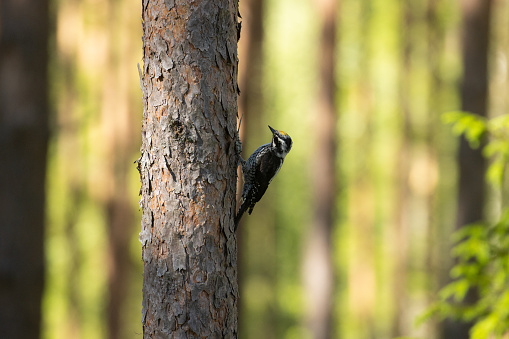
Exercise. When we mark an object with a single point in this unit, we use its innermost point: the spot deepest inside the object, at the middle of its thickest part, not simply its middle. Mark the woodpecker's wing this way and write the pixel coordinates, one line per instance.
(238, 216)
(269, 166)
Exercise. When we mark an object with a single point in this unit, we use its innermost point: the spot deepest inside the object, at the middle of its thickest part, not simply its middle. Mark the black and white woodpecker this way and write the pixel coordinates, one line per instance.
(260, 168)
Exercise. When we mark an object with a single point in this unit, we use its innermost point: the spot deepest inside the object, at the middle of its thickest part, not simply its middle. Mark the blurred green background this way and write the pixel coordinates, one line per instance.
(397, 68)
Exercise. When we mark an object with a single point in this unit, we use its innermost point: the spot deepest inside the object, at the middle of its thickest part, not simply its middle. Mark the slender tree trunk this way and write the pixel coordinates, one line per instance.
(251, 111)
(188, 169)
(118, 119)
(251, 53)
(474, 98)
(120, 217)
(436, 237)
(403, 194)
(23, 142)
(318, 274)
(362, 275)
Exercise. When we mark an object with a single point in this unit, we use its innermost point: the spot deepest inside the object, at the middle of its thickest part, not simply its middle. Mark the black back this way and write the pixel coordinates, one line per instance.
(269, 166)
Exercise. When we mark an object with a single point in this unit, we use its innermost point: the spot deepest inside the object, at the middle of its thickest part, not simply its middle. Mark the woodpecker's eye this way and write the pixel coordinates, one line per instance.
(277, 142)
(288, 143)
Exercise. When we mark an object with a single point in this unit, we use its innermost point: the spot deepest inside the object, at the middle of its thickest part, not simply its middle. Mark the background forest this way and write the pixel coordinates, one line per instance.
(353, 239)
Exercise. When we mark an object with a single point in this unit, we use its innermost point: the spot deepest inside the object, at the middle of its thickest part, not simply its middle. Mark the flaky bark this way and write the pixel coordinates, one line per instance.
(23, 143)
(188, 169)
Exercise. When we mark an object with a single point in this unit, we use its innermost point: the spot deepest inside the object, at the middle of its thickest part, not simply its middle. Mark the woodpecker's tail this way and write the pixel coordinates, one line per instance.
(241, 211)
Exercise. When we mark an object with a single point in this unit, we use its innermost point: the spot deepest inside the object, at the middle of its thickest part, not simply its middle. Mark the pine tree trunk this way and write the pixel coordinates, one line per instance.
(188, 169)
(23, 143)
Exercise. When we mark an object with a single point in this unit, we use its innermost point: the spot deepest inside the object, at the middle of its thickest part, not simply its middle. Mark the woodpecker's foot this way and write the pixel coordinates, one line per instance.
(238, 149)
(238, 145)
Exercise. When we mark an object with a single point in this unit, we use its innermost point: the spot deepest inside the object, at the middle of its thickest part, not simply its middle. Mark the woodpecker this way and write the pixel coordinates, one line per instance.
(260, 168)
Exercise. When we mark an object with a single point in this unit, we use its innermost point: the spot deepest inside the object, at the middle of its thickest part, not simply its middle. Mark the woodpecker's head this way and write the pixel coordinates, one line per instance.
(281, 142)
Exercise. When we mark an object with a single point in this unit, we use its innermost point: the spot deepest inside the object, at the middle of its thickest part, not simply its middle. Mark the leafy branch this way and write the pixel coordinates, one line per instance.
(481, 250)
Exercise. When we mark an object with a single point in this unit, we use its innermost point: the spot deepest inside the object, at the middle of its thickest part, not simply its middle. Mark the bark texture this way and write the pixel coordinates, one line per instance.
(23, 143)
(188, 169)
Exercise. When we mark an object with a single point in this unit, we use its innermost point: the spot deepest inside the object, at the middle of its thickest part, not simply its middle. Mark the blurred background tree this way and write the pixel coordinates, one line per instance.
(398, 65)
(94, 272)
(475, 31)
(24, 30)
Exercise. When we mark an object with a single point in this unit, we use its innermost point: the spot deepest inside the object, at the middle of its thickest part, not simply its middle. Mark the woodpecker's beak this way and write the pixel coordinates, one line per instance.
(272, 130)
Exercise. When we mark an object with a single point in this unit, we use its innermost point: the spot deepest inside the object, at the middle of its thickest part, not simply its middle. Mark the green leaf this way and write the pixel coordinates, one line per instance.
(484, 327)
(497, 147)
(473, 126)
(456, 289)
(476, 230)
(499, 126)
(495, 173)
(432, 311)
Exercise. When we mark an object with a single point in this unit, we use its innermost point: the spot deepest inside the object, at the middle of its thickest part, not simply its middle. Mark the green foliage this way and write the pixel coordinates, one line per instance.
(475, 128)
(481, 250)
(471, 125)
(498, 148)
(482, 256)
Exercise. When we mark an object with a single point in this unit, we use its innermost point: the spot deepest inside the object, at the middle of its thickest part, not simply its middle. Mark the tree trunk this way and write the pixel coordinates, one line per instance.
(474, 98)
(437, 237)
(251, 110)
(120, 216)
(318, 266)
(23, 142)
(188, 169)
(403, 193)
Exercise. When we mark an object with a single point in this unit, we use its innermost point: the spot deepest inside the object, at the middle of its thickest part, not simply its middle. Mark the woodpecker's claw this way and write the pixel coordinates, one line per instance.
(238, 150)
